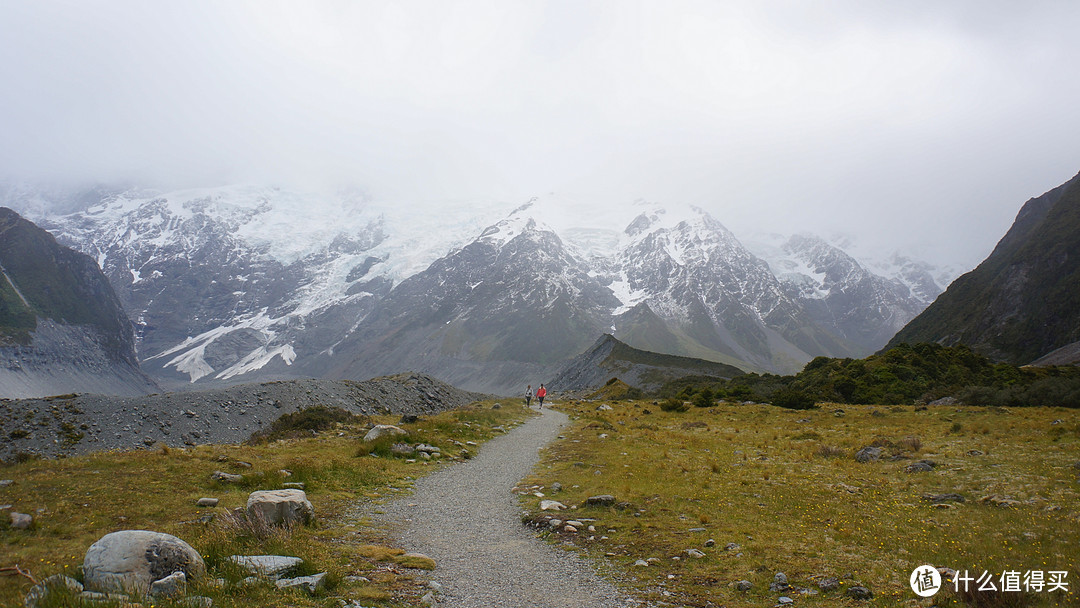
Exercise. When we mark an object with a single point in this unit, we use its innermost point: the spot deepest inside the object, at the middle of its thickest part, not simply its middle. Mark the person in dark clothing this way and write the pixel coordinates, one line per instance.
(528, 396)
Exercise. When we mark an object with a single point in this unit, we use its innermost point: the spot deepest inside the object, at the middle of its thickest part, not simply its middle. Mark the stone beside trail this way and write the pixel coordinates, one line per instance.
(466, 518)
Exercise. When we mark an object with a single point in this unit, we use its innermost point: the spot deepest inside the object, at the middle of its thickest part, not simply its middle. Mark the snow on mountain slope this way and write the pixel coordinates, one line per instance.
(239, 283)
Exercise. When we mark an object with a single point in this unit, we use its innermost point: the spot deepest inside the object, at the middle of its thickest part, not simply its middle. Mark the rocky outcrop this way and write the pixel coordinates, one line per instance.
(61, 325)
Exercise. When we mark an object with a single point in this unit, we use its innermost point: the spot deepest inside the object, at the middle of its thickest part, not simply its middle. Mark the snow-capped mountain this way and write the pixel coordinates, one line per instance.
(842, 295)
(509, 305)
(689, 287)
(242, 283)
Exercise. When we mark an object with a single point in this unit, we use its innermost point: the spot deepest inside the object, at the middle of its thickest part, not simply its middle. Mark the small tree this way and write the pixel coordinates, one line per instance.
(704, 398)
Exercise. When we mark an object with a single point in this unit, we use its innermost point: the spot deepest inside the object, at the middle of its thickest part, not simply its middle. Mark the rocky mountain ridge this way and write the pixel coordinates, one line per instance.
(1021, 303)
(243, 283)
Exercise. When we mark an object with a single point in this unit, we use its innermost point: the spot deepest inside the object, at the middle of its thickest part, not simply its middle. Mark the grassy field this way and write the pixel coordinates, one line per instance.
(77, 500)
(780, 491)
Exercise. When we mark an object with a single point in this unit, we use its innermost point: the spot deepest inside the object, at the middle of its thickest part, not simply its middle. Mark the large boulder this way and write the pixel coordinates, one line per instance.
(382, 430)
(130, 561)
(280, 507)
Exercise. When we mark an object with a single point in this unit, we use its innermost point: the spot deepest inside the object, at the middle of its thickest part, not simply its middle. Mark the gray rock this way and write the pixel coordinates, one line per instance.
(551, 505)
(710, 543)
(603, 500)
(280, 507)
(129, 561)
(641, 563)
(312, 584)
(974, 453)
(943, 498)
(382, 430)
(223, 477)
(869, 454)
(293, 485)
(171, 586)
(49, 589)
(783, 600)
(21, 521)
(271, 566)
(556, 487)
(6, 482)
(780, 583)
(829, 584)
(858, 592)
(695, 553)
(921, 466)
(206, 502)
(402, 449)
(429, 597)
(197, 601)
(731, 547)
(744, 585)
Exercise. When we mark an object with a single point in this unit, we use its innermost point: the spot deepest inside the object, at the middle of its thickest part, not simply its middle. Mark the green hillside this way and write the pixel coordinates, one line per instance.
(1023, 301)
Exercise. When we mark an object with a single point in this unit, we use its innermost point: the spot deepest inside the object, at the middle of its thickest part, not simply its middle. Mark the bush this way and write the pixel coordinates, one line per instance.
(305, 422)
(704, 398)
(673, 405)
(793, 399)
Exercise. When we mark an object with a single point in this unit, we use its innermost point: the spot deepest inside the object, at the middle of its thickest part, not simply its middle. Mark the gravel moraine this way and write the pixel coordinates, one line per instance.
(466, 518)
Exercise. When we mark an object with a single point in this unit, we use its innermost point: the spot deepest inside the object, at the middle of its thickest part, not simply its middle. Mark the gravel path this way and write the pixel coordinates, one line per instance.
(466, 518)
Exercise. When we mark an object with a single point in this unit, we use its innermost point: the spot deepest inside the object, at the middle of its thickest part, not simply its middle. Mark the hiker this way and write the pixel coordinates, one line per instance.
(540, 394)
(528, 396)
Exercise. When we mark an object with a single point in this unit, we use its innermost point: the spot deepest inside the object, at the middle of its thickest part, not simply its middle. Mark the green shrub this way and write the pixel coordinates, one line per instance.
(673, 405)
(305, 422)
(793, 399)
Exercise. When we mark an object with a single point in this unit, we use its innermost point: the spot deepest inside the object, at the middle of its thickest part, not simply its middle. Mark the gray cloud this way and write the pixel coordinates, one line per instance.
(920, 123)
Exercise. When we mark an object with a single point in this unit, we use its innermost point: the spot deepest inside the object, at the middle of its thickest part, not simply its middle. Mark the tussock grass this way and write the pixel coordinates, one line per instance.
(76, 501)
(792, 499)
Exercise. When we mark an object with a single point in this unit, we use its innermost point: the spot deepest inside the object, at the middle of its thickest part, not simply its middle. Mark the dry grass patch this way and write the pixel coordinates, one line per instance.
(775, 494)
(76, 501)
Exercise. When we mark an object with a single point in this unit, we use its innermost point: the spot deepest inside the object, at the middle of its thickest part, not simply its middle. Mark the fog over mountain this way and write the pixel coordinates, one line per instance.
(915, 124)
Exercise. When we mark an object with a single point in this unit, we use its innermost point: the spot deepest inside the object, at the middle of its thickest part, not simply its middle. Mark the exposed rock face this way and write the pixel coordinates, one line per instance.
(1023, 302)
(280, 507)
(61, 325)
(130, 561)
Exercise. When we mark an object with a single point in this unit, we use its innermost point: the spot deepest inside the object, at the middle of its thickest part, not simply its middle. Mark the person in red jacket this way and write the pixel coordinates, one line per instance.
(540, 394)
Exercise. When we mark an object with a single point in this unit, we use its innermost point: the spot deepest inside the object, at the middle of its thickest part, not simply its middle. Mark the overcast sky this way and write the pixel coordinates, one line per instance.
(918, 123)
